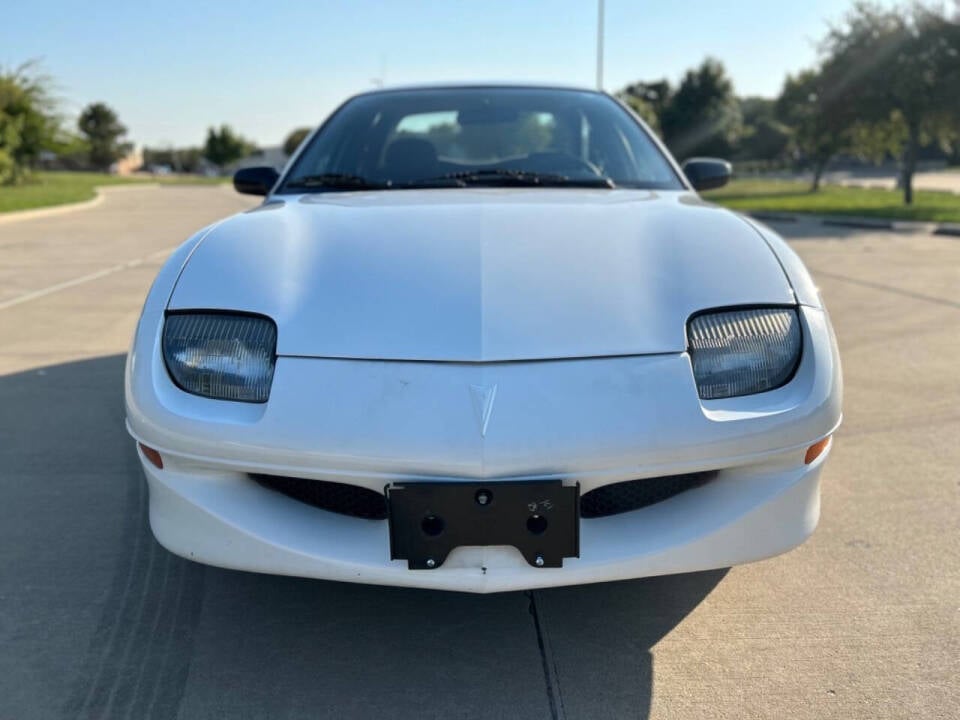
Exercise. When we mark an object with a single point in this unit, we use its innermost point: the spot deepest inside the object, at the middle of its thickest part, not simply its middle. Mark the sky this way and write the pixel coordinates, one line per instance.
(173, 68)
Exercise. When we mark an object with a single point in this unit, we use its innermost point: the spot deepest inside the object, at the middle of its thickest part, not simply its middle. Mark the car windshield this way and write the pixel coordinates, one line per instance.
(401, 139)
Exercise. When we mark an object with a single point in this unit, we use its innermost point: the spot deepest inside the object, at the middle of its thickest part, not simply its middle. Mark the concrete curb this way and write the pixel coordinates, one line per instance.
(858, 223)
(773, 217)
(97, 199)
(16, 215)
(861, 223)
(950, 229)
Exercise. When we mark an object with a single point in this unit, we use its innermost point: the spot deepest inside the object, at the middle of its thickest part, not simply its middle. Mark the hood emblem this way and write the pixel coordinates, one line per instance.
(483, 397)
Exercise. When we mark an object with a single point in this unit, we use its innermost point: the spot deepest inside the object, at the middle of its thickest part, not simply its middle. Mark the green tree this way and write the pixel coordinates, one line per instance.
(187, 159)
(294, 139)
(820, 120)
(898, 65)
(71, 150)
(29, 122)
(104, 133)
(648, 100)
(703, 115)
(764, 136)
(224, 146)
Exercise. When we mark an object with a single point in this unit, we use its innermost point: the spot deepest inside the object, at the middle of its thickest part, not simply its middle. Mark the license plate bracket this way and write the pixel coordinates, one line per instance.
(429, 519)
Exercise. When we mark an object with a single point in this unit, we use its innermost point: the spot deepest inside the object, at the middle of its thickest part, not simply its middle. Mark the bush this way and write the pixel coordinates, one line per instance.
(28, 120)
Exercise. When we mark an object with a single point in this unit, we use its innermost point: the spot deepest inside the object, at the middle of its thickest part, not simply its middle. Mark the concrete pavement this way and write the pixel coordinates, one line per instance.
(96, 620)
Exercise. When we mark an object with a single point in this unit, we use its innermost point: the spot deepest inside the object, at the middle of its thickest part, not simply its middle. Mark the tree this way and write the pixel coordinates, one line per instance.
(703, 115)
(648, 100)
(186, 159)
(104, 132)
(29, 122)
(899, 66)
(294, 139)
(224, 146)
(820, 120)
(764, 136)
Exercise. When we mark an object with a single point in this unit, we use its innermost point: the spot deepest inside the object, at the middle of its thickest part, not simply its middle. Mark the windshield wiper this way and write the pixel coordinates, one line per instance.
(486, 176)
(346, 181)
(334, 181)
(427, 183)
(503, 176)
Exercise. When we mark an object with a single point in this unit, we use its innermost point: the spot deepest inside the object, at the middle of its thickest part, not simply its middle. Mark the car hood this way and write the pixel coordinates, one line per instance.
(481, 274)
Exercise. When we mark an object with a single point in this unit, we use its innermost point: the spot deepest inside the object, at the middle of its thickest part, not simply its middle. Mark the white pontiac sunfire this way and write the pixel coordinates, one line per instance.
(483, 338)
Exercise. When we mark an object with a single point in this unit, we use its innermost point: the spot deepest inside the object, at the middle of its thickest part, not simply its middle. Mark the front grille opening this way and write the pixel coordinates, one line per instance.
(604, 501)
(630, 495)
(333, 496)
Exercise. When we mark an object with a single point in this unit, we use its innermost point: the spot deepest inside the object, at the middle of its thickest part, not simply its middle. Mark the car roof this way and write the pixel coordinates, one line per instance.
(474, 84)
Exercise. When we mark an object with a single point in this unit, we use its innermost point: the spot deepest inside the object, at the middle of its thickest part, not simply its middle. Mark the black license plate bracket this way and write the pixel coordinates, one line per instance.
(428, 520)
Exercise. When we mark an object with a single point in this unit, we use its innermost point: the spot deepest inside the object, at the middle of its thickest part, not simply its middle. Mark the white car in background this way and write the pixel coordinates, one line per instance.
(481, 339)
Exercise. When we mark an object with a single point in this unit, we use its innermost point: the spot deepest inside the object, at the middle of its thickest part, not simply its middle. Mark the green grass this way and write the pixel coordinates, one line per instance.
(45, 189)
(790, 196)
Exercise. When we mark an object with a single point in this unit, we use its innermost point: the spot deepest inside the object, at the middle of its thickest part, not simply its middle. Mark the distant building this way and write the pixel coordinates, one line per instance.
(128, 164)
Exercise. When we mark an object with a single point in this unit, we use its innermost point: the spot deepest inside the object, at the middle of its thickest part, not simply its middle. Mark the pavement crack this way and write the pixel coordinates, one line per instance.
(551, 680)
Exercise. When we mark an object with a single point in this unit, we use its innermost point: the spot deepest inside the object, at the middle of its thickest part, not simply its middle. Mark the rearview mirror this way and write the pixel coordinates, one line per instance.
(707, 173)
(255, 180)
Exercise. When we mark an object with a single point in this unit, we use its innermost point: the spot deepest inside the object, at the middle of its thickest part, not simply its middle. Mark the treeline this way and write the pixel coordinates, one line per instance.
(887, 85)
(222, 147)
(32, 129)
(34, 133)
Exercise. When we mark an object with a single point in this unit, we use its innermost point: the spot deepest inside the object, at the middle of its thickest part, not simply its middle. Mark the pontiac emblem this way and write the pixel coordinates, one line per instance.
(483, 397)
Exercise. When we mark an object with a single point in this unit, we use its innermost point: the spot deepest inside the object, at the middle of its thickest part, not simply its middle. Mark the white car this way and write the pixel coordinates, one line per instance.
(483, 338)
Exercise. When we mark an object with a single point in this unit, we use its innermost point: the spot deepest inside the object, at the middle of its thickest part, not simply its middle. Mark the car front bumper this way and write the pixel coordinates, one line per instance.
(588, 421)
(228, 520)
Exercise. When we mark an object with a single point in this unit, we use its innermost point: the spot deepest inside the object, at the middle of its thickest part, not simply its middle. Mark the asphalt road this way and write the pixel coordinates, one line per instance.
(98, 621)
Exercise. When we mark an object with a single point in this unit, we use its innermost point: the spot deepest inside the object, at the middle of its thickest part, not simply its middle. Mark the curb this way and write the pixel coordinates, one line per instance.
(857, 223)
(862, 223)
(773, 217)
(51, 210)
(950, 229)
(30, 214)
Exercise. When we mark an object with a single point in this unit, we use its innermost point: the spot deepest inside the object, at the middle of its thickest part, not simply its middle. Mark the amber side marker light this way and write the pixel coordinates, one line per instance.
(154, 457)
(815, 450)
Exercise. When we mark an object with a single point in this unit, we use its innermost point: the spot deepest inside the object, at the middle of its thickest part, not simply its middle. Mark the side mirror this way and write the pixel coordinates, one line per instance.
(707, 173)
(255, 180)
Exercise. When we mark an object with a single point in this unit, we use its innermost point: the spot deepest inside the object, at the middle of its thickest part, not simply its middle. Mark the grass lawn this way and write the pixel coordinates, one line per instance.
(791, 196)
(43, 189)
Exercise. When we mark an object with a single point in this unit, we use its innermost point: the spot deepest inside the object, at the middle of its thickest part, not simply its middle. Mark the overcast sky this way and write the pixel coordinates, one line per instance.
(173, 68)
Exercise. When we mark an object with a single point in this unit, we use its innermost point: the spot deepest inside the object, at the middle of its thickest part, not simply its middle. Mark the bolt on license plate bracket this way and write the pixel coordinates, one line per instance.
(429, 519)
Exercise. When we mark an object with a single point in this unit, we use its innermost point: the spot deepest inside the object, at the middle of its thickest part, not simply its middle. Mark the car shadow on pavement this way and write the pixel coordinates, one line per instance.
(100, 621)
(600, 639)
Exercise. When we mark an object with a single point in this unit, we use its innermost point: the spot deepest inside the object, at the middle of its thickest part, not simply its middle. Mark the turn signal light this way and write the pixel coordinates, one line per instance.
(154, 457)
(815, 450)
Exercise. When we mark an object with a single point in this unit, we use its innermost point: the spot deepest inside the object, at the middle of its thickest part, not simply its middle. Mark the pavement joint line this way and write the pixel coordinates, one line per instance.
(65, 285)
(550, 677)
(886, 288)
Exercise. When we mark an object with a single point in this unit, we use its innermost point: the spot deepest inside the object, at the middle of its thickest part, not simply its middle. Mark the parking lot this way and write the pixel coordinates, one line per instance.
(96, 620)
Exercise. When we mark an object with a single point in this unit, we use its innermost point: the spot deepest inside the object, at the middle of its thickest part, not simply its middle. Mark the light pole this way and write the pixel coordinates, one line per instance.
(599, 44)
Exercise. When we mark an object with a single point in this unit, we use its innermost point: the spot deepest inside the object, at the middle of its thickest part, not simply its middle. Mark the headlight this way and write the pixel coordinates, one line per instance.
(741, 352)
(228, 357)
